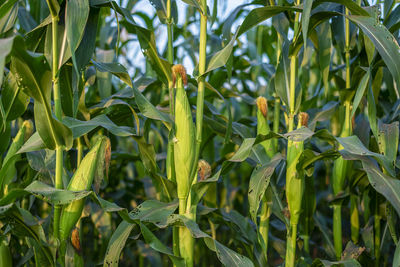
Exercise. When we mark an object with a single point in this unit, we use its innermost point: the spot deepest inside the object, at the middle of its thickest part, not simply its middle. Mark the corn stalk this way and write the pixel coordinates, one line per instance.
(201, 82)
(294, 183)
(340, 165)
(57, 107)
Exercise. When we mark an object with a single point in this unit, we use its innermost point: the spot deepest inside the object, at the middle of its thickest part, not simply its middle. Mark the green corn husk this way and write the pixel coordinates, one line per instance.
(184, 154)
(184, 141)
(5, 255)
(263, 126)
(90, 170)
(295, 185)
(266, 209)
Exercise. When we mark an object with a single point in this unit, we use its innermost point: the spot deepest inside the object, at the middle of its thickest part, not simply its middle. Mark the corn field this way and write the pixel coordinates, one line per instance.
(199, 133)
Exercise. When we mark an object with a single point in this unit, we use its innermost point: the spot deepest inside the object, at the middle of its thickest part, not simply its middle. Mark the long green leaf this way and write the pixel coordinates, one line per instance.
(384, 42)
(259, 182)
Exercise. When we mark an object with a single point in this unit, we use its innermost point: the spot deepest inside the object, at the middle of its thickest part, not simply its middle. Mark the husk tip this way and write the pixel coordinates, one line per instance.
(262, 105)
(303, 119)
(180, 70)
(204, 170)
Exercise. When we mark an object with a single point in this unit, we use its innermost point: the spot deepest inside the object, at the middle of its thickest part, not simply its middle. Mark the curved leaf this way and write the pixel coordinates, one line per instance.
(385, 43)
(261, 14)
(259, 181)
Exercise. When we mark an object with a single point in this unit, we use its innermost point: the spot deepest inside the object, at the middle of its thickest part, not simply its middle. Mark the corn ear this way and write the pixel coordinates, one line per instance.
(263, 126)
(90, 169)
(184, 141)
(295, 183)
(5, 255)
(184, 154)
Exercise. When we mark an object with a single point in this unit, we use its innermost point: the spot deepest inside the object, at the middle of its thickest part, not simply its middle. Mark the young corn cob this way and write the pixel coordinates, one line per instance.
(294, 190)
(263, 128)
(5, 255)
(184, 144)
(91, 168)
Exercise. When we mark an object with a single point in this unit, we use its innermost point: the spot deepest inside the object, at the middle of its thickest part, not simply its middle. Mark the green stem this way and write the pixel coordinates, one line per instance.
(201, 84)
(293, 67)
(58, 113)
(337, 230)
(377, 230)
(58, 185)
(306, 239)
(186, 241)
(55, 76)
(275, 126)
(170, 51)
(347, 40)
(291, 246)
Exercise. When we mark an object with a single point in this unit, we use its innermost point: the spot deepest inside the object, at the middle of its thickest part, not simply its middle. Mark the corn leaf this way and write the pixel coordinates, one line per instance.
(80, 128)
(8, 15)
(259, 182)
(385, 43)
(305, 19)
(25, 225)
(77, 13)
(33, 77)
(116, 69)
(261, 14)
(14, 100)
(117, 244)
(6, 45)
(157, 245)
(34, 143)
(388, 186)
(53, 195)
(153, 211)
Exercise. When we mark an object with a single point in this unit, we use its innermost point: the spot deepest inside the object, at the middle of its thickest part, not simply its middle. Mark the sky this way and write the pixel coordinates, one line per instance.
(224, 9)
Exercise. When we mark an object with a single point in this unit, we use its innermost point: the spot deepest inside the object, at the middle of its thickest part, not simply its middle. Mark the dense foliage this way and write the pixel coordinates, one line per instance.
(278, 148)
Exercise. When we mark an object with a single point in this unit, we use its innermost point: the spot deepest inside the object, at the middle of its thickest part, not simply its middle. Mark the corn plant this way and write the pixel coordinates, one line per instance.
(199, 133)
